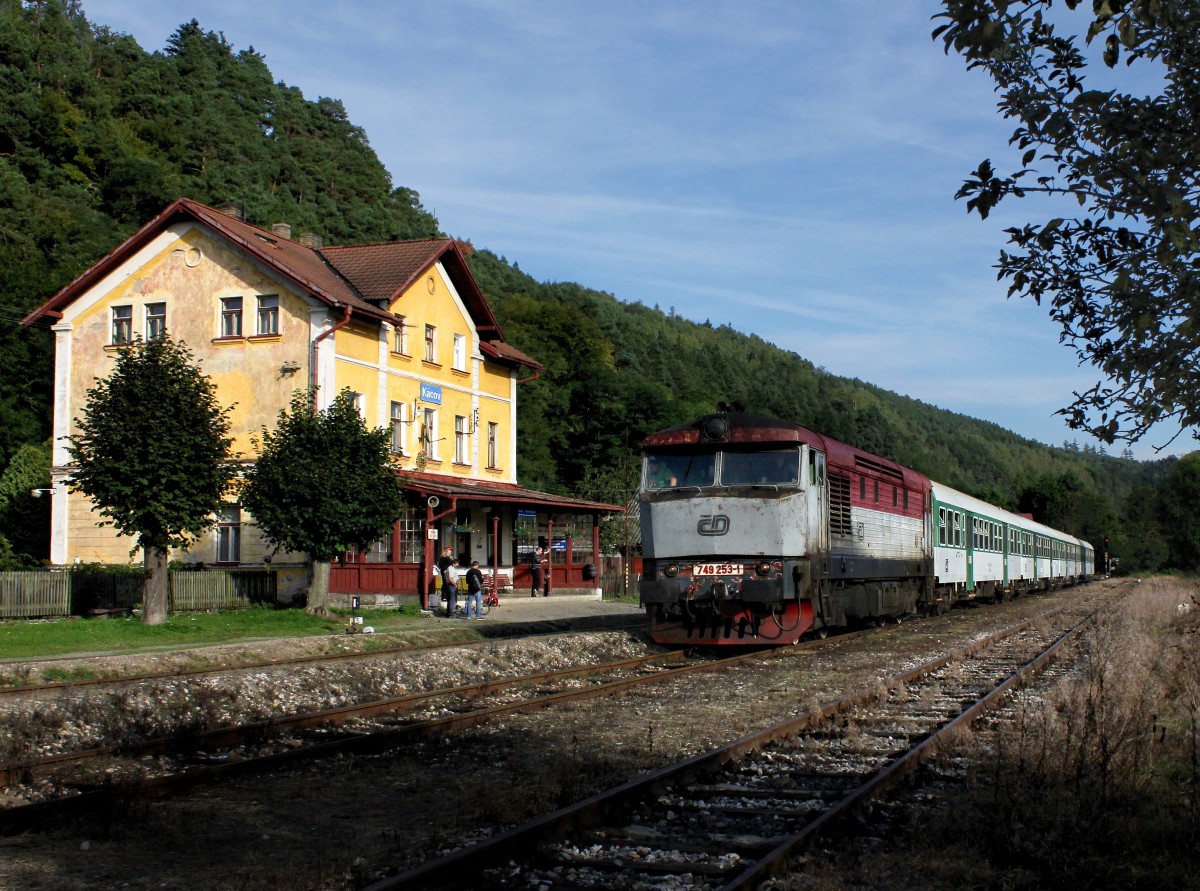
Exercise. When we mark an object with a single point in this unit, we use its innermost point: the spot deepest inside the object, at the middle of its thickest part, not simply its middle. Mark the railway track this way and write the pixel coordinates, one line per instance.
(15, 692)
(75, 782)
(732, 818)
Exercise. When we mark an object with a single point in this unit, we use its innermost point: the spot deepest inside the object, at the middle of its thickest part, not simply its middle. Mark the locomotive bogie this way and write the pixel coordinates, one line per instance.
(743, 600)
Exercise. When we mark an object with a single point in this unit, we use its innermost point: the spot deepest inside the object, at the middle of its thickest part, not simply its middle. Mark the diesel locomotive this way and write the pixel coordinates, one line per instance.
(758, 531)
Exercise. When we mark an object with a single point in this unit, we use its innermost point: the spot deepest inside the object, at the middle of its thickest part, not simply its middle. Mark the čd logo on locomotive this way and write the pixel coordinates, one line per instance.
(713, 524)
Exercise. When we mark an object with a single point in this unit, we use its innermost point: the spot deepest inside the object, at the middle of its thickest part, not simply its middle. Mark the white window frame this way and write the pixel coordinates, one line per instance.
(493, 444)
(429, 425)
(431, 343)
(461, 441)
(229, 534)
(231, 316)
(398, 412)
(360, 404)
(266, 318)
(460, 352)
(122, 324)
(156, 320)
(400, 336)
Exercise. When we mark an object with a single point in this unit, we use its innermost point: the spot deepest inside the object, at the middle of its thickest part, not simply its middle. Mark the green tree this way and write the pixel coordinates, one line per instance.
(1178, 496)
(617, 484)
(322, 485)
(1121, 274)
(25, 516)
(1141, 545)
(153, 454)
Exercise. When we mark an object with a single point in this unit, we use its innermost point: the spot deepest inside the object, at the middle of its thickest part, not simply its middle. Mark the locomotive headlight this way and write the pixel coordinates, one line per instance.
(715, 428)
(671, 571)
(763, 568)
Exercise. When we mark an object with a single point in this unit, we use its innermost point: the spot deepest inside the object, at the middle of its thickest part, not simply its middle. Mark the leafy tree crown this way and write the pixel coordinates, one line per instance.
(1122, 276)
(152, 448)
(323, 483)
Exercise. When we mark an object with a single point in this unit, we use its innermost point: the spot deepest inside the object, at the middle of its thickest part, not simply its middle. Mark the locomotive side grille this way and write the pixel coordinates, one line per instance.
(839, 505)
(875, 467)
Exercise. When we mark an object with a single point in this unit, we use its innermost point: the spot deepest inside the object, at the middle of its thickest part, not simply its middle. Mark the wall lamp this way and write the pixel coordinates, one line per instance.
(37, 493)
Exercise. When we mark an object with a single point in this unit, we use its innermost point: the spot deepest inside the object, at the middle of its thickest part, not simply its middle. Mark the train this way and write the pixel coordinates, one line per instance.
(758, 531)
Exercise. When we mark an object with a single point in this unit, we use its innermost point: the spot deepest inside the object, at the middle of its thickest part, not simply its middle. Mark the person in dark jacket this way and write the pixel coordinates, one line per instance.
(474, 590)
(535, 573)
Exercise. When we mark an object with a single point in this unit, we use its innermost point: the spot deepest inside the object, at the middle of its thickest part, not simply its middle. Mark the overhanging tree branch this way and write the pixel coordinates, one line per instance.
(1121, 276)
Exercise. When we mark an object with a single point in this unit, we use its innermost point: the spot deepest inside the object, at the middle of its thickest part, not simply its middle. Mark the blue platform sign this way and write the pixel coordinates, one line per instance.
(431, 393)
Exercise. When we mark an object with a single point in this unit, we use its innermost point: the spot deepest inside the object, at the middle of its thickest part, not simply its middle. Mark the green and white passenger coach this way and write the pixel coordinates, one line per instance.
(982, 551)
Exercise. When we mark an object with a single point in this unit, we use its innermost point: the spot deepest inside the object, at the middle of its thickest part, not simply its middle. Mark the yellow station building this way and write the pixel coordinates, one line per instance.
(402, 325)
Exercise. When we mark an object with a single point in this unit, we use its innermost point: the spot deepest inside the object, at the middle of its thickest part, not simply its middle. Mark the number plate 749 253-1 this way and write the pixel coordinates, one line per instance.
(717, 569)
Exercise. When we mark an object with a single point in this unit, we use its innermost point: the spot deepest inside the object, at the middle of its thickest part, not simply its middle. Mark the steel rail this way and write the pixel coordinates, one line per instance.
(25, 816)
(67, 687)
(237, 734)
(464, 864)
(776, 861)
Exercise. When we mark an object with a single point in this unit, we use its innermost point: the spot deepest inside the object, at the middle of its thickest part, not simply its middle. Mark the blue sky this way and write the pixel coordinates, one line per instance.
(787, 168)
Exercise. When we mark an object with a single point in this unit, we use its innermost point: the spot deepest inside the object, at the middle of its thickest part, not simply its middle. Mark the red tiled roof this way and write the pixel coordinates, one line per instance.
(498, 349)
(365, 278)
(383, 271)
(476, 490)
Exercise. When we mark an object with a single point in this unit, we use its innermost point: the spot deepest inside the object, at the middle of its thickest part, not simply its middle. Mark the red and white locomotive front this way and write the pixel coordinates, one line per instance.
(732, 517)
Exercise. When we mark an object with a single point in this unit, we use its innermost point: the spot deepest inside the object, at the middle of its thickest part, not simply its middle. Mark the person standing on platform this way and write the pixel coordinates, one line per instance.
(474, 590)
(443, 565)
(535, 572)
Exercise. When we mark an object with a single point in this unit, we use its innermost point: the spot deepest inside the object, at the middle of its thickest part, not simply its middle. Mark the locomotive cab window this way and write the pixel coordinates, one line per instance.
(816, 468)
(676, 471)
(777, 467)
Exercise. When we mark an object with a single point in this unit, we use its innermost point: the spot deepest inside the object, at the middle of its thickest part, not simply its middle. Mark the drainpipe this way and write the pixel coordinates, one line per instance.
(495, 550)
(526, 380)
(316, 341)
(548, 581)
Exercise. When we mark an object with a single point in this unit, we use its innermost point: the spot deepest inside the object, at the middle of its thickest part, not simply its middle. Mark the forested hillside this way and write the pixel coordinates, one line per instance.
(97, 135)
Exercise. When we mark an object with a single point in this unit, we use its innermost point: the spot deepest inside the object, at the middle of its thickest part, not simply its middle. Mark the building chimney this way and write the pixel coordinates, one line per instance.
(283, 230)
(233, 209)
(311, 240)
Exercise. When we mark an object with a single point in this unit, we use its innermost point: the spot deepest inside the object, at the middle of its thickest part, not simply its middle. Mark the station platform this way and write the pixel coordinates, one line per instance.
(564, 611)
